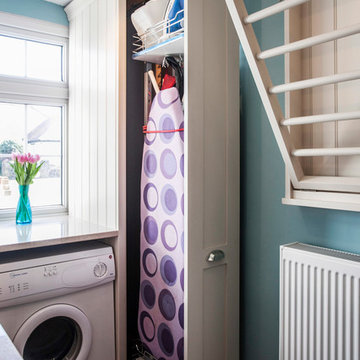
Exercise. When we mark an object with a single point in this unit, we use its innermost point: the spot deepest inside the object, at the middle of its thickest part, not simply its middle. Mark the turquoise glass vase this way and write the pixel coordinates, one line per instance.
(23, 210)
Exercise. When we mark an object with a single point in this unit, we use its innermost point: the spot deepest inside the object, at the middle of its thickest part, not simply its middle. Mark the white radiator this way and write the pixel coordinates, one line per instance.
(319, 304)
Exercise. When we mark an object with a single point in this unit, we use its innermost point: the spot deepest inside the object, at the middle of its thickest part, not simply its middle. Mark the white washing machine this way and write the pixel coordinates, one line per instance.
(58, 303)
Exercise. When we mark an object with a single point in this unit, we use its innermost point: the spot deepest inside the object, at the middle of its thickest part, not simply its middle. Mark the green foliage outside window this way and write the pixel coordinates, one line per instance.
(8, 147)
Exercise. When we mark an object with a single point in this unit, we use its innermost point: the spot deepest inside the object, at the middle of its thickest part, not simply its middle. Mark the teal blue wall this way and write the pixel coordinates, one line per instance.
(38, 9)
(265, 222)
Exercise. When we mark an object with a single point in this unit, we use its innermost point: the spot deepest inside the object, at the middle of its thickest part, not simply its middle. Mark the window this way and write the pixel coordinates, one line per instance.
(33, 111)
(30, 59)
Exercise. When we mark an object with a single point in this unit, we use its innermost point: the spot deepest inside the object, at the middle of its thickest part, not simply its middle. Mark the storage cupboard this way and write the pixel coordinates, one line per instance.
(212, 160)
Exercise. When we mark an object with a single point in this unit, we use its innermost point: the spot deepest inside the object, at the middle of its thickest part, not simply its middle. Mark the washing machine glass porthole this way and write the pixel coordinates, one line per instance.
(57, 338)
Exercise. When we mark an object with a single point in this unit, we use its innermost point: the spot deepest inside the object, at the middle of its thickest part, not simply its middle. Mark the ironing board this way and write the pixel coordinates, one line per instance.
(161, 300)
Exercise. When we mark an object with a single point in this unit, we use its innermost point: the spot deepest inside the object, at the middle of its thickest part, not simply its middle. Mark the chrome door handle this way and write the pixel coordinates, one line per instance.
(215, 255)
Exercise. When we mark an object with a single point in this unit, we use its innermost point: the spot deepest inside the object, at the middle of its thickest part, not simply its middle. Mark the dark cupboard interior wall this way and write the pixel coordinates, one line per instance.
(134, 147)
(135, 3)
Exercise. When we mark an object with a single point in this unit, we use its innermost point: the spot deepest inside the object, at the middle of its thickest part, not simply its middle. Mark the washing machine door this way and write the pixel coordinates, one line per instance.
(56, 332)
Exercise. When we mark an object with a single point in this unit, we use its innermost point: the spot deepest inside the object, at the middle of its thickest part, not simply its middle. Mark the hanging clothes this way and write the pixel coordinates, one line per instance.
(161, 300)
(177, 65)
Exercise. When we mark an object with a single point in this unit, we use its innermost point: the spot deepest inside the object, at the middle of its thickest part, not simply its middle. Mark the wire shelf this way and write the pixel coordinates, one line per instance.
(164, 38)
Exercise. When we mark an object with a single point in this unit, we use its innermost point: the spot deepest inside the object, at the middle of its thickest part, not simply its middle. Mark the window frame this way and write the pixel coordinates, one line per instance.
(29, 91)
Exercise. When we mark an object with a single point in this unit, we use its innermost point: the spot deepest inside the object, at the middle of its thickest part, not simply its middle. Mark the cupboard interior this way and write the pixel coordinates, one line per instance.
(139, 96)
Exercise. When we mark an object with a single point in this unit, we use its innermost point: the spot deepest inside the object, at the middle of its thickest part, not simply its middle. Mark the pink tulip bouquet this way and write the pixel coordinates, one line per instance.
(26, 167)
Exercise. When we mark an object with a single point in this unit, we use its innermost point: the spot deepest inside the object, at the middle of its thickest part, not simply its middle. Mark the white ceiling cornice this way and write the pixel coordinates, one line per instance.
(60, 2)
(75, 7)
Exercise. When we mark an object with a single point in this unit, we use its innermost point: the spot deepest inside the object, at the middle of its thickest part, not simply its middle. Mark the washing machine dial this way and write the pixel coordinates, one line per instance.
(100, 269)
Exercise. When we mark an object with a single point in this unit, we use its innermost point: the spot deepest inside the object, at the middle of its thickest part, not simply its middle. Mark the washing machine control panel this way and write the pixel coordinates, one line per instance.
(50, 270)
(55, 279)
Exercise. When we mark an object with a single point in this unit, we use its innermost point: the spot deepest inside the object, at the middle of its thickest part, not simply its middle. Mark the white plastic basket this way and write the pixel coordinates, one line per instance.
(147, 16)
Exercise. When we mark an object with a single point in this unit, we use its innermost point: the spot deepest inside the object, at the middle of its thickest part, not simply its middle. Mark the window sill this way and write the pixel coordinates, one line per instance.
(46, 231)
(37, 211)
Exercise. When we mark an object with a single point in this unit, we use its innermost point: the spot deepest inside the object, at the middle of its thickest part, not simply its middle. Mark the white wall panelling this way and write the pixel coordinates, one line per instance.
(97, 129)
(93, 111)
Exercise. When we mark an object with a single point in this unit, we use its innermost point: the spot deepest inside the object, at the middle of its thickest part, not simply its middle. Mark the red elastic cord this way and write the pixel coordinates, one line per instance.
(145, 131)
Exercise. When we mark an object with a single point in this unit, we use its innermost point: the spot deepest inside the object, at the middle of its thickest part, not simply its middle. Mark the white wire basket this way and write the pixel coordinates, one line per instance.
(159, 33)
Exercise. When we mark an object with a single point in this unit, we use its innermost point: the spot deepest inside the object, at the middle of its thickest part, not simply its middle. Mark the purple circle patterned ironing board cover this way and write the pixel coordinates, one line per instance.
(161, 302)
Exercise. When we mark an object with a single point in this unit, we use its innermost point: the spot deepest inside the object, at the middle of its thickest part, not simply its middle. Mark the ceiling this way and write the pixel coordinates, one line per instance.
(59, 2)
